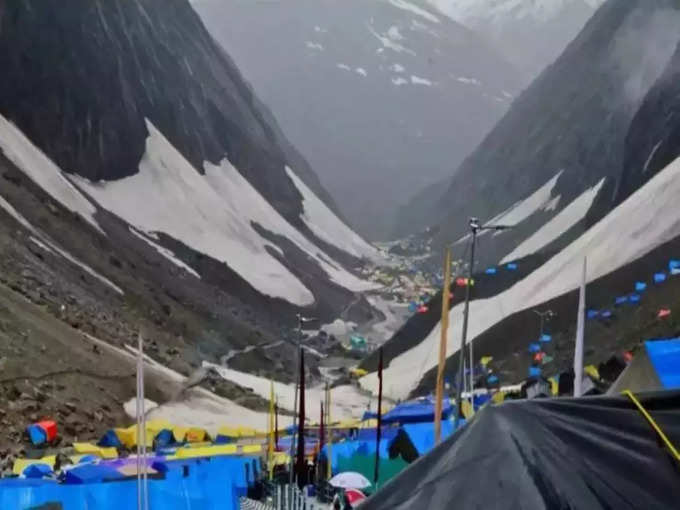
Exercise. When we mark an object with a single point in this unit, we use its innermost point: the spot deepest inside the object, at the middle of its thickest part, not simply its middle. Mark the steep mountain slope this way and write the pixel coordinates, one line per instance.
(382, 96)
(570, 124)
(630, 233)
(654, 136)
(144, 186)
(530, 33)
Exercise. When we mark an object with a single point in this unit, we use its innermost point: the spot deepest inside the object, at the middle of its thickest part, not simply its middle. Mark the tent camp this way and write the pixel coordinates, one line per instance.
(655, 367)
(589, 453)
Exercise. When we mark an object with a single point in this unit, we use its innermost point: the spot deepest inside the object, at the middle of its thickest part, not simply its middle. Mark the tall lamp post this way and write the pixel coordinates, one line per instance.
(301, 321)
(475, 229)
(544, 315)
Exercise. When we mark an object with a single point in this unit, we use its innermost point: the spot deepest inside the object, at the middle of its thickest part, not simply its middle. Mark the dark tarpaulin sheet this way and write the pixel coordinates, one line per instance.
(591, 453)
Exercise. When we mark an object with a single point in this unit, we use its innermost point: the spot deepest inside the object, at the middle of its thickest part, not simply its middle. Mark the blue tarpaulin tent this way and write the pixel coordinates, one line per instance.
(491, 270)
(534, 372)
(206, 484)
(606, 314)
(673, 264)
(665, 357)
(534, 347)
(512, 266)
(36, 434)
(659, 277)
(634, 298)
(546, 338)
(418, 410)
(640, 286)
(37, 471)
(110, 439)
(591, 314)
(621, 300)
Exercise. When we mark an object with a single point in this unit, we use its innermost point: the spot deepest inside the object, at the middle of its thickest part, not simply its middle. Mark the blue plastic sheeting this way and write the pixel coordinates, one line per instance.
(91, 473)
(634, 298)
(659, 277)
(491, 270)
(387, 433)
(164, 438)
(110, 439)
(422, 434)
(87, 458)
(534, 347)
(37, 471)
(673, 264)
(606, 314)
(546, 338)
(665, 357)
(511, 266)
(640, 286)
(621, 300)
(36, 434)
(534, 372)
(418, 410)
(592, 314)
(187, 485)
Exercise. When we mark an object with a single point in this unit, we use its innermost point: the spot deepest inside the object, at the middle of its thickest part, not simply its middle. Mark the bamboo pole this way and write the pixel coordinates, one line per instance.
(442, 346)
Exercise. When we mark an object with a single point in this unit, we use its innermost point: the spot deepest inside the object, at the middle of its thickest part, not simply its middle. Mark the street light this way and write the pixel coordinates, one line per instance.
(544, 315)
(475, 229)
(301, 321)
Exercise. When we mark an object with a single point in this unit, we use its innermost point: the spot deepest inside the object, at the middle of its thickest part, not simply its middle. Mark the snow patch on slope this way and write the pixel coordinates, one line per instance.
(327, 226)
(407, 6)
(558, 225)
(168, 254)
(647, 219)
(417, 80)
(42, 170)
(214, 214)
(522, 210)
(346, 402)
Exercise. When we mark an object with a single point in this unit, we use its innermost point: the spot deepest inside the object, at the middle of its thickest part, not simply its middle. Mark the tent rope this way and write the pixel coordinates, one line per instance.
(653, 423)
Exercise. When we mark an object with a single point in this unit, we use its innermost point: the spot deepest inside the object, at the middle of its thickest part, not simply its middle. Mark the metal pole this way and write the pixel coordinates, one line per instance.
(466, 313)
(297, 369)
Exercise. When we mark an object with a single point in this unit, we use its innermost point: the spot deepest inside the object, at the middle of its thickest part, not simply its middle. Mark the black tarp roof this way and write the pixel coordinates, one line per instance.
(590, 453)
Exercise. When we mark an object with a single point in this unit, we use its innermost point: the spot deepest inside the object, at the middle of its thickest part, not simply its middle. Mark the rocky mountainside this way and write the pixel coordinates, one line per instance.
(565, 133)
(627, 228)
(530, 33)
(382, 96)
(654, 135)
(144, 186)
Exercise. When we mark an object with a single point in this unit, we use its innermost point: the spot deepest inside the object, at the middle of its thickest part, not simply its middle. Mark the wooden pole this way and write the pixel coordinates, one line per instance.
(329, 468)
(272, 430)
(442, 346)
(378, 429)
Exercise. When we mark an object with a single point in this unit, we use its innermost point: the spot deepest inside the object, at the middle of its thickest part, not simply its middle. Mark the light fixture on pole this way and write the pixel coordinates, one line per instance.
(475, 229)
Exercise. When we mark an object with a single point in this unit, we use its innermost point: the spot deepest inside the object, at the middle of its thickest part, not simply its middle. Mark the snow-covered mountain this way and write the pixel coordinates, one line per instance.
(563, 135)
(144, 183)
(531, 33)
(382, 97)
(612, 202)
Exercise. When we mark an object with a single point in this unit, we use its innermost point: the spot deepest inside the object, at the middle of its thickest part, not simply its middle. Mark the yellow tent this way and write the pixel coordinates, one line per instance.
(498, 397)
(252, 448)
(21, 464)
(206, 451)
(358, 372)
(91, 449)
(128, 436)
(196, 435)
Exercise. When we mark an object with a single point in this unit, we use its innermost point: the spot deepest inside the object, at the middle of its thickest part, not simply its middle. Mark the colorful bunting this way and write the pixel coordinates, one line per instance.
(663, 313)
(659, 277)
